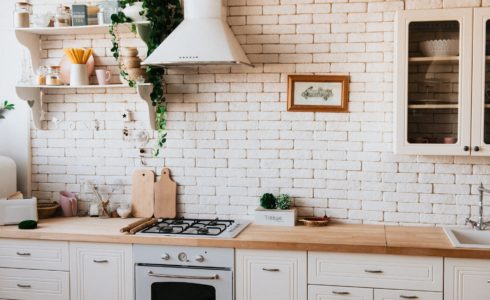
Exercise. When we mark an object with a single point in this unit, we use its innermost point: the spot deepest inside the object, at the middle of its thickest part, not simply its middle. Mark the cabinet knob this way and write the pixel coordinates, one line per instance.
(166, 256)
(476, 149)
(340, 293)
(408, 297)
(270, 270)
(466, 148)
(24, 286)
(374, 271)
(200, 258)
(23, 253)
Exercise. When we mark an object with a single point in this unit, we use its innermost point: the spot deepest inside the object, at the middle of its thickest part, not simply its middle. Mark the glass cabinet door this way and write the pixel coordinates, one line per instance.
(435, 112)
(481, 83)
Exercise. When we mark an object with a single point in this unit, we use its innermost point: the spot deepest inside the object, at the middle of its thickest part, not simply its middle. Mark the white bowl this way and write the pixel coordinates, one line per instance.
(446, 47)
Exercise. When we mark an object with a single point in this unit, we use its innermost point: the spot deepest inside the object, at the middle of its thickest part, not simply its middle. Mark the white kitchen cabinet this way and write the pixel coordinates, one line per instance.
(101, 271)
(320, 292)
(29, 254)
(23, 284)
(405, 295)
(466, 279)
(433, 89)
(270, 275)
(376, 271)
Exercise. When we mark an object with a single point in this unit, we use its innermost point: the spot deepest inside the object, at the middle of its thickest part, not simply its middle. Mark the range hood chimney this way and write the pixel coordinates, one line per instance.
(203, 38)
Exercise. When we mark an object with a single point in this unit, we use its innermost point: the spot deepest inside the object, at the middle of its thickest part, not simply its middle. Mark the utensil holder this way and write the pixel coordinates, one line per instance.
(78, 75)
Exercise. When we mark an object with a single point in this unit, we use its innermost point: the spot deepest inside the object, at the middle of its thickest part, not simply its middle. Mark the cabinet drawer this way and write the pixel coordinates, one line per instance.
(406, 295)
(319, 292)
(26, 254)
(34, 284)
(377, 271)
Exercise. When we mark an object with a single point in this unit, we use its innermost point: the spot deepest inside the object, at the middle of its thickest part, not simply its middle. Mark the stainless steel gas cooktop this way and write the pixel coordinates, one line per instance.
(196, 227)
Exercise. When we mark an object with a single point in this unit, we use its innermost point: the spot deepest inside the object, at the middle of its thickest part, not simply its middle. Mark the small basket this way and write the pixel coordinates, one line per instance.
(47, 210)
(315, 221)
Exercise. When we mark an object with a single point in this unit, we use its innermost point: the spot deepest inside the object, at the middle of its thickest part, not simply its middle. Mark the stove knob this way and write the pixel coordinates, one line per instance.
(200, 258)
(165, 256)
(182, 257)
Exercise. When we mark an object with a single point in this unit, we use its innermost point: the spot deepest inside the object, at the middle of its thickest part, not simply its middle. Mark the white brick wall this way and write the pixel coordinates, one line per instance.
(231, 138)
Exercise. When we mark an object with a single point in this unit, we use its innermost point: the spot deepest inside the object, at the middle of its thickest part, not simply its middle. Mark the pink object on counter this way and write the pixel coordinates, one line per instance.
(69, 204)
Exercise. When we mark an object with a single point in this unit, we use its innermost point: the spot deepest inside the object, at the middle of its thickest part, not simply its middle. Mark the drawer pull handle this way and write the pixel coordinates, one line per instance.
(408, 297)
(23, 253)
(101, 261)
(270, 270)
(24, 286)
(340, 293)
(374, 271)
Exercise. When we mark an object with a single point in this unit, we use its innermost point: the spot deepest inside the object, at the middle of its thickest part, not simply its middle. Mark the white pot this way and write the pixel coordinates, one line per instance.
(132, 11)
(78, 75)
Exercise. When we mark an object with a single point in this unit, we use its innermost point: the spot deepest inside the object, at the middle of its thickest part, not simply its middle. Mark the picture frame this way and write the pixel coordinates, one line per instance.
(318, 93)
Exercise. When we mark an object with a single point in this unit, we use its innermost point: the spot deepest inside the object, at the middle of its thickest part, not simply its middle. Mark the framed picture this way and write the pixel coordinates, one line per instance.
(322, 93)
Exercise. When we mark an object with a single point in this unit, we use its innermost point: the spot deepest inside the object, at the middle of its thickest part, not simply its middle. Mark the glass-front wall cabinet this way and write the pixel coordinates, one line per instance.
(480, 136)
(433, 82)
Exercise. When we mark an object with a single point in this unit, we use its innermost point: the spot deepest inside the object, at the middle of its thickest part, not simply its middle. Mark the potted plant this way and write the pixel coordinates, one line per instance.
(5, 107)
(163, 18)
(276, 211)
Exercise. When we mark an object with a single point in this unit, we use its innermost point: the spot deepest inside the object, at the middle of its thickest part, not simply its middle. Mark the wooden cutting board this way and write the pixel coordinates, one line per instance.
(142, 194)
(165, 196)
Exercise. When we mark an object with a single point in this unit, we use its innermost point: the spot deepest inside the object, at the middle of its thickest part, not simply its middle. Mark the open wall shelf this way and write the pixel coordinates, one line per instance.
(33, 95)
(30, 37)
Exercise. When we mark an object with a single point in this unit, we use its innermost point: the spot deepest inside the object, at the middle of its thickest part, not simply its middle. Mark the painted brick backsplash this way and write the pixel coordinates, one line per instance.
(230, 138)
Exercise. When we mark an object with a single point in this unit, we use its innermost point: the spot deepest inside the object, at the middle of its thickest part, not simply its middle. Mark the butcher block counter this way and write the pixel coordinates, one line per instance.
(379, 239)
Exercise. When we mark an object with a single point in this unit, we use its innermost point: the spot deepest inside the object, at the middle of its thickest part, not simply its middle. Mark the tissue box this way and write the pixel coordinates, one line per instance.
(275, 217)
(13, 212)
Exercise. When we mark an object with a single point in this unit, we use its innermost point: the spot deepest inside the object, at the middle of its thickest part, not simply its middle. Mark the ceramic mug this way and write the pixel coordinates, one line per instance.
(103, 77)
(69, 204)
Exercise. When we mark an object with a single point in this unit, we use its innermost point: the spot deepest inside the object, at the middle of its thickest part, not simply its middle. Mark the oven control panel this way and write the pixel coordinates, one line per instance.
(188, 256)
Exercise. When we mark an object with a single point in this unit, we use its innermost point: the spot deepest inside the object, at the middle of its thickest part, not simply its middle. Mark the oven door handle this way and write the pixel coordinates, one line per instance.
(212, 277)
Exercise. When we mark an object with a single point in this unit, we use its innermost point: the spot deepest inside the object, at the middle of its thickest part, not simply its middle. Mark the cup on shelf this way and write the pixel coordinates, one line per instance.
(450, 140)
(78, 75)
(103, 77)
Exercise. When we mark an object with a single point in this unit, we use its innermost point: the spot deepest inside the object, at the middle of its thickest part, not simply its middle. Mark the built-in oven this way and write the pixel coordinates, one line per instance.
(154, 282)
(183, 273)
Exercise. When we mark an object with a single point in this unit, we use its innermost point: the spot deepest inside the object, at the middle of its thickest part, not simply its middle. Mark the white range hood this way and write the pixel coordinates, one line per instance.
(203, 38)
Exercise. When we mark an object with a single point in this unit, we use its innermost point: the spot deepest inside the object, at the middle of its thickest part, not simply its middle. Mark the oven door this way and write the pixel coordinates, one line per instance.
(157, 282)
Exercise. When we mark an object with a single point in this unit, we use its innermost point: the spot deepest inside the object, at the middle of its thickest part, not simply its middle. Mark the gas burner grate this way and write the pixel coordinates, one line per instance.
(198, 227)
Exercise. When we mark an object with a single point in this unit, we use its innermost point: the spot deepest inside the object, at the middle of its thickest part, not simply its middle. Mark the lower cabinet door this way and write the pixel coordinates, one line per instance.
(23, 284)
(321, 292)
(270, 275)
(466, 279)
(406, 295)
(101, 271)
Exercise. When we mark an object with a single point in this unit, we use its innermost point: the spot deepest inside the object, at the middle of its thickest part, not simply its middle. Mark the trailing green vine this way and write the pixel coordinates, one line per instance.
(163, 19)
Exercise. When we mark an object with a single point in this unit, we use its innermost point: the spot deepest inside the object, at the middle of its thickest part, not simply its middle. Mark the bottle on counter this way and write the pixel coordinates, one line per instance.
(22, 14)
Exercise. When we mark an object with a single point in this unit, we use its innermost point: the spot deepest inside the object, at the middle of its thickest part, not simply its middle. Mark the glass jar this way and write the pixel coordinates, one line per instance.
(22, 13)
(41, 75)
(62, 18)
(53, 76)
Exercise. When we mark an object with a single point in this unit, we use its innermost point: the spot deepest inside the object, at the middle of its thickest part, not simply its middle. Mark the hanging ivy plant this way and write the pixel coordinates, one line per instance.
(163, 17)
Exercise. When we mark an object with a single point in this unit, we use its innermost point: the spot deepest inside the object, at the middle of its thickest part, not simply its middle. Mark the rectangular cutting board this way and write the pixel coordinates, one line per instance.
(142, 193)
(165, 196)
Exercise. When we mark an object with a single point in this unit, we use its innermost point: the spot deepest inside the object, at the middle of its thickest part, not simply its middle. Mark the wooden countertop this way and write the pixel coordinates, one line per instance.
(423, 241)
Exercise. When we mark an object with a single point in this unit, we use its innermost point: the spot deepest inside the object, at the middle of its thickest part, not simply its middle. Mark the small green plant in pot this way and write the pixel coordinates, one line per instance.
(275, 211)
(6, 106)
